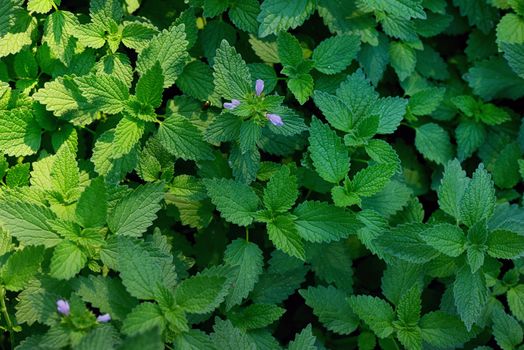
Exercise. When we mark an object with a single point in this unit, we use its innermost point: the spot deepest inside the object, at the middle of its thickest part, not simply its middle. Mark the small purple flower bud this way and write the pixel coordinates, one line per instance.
(62, 306)
(232, 105)
(259, 86)
(104, 318)
(275, 119)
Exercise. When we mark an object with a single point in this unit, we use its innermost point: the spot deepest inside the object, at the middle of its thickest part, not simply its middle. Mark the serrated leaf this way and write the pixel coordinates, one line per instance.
(505, 244)
(150, 86)
(67, 260)
(91, 209)
(19, 133)
(403, 59)
(20, 267)
(372, 179)
(236, 201)
(479, 198)
(284, 235)
(106, 93)
(256, 316)
(136, 210)
(137, 36)
(334, 54)
(281, 191)
(506, 330)
(330, 306)
(248, 257)
(277, 15)
(200, 294)
(169, 49)
(232, 77)
(182, 139)
(470, 295)
(375, 312)
(433, 142)
(442, 330)
(330, 156)
(446, 238)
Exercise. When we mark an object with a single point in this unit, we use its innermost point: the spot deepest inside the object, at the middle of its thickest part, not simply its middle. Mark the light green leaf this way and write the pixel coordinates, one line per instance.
(128, 133)
(67, 260)
(443, 330)
(169, 49)
(403, 59)
(503, 244)
(506, 330)
(144, 317)
(19, 133)
(182, 139)
(105, 92)
(278, 15)
(283, 233)
(305, 340)
(150, 86)
(136, 210)
(20, 267)
(479, 198)
(137, 35)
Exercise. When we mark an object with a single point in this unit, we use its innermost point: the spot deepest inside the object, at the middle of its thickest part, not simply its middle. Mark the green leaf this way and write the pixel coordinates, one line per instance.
(256, 316)
(503, 244)
(381, 152)
(128, 133)
(169, 49)
(479, 198)
(403, 59)
(28, 222)
(228, 337)
(68, 259)
(182, 139)
(144, 317)
(194, 80)
(107, 294)
(482, 15)
(283, 233)
(433, 142)
(105, 92)
(305, 340)
(506, 330)
(390, 200)
(231, 75)
(515, 297)
(19, 133)
(402, 8)
(322, 222)
(136, 210)
(470, 136)
(442, 330)
(250, 133)
(330, 263)
(40, 6)
(91, 210)
(335, 110)
(375, 312)
(143, 268)
(446, 238)
(236, 202)
(470, 294)
(289, 50)
(248, 257)
(372, 179)
(278, 15)
(330, 156)
(244, 15)
(334, 54)
(200, 294)
(137, 36)
(452, 188)
(426, 101)
(301, 85)
(65, 175)
(20, 267)
(409, 307)
(150, 86)
(59, 27)
(406, 242)
(281, 191)
(330, 306)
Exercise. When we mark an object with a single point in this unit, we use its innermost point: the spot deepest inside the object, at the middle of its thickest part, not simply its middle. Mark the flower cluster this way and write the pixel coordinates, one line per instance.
(275, 119)
(62, 306)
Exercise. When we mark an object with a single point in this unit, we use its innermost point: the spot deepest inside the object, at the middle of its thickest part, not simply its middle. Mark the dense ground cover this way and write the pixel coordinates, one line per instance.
(236, 174)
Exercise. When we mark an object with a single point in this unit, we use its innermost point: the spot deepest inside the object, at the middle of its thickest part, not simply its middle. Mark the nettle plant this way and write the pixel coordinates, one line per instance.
(245, 174)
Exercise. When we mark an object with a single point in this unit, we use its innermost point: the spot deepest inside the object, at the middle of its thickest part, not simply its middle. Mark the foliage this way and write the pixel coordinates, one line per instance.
(245, 174)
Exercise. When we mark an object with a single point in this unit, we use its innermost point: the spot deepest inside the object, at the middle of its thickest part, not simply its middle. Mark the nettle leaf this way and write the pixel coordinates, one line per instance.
(505, 244)
(200, 294)
(255, 316)
(278, 15)
(169, 49)
(446, 238)
(281, 191)
(331, 307)
(248, 257)
(67, 260)
(375, 312)
(433, 142)
(105, 92)
(20, 135)
(333, 55)
(232, 77)
(150, 86)
(330, 156)
(236, 202)
(443, 330)
(20, 267)
(136, 210)
(479, 198)
(284, 234)
(470, 294)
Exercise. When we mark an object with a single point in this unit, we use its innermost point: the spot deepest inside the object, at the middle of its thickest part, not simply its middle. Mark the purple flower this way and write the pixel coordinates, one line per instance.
(275, 119)
(232, 105)
(104, 318)
(259, 86)
(62, 306)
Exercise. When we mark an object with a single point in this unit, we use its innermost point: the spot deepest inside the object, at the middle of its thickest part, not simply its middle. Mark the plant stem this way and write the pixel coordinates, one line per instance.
(247, 234)
(7, 318)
